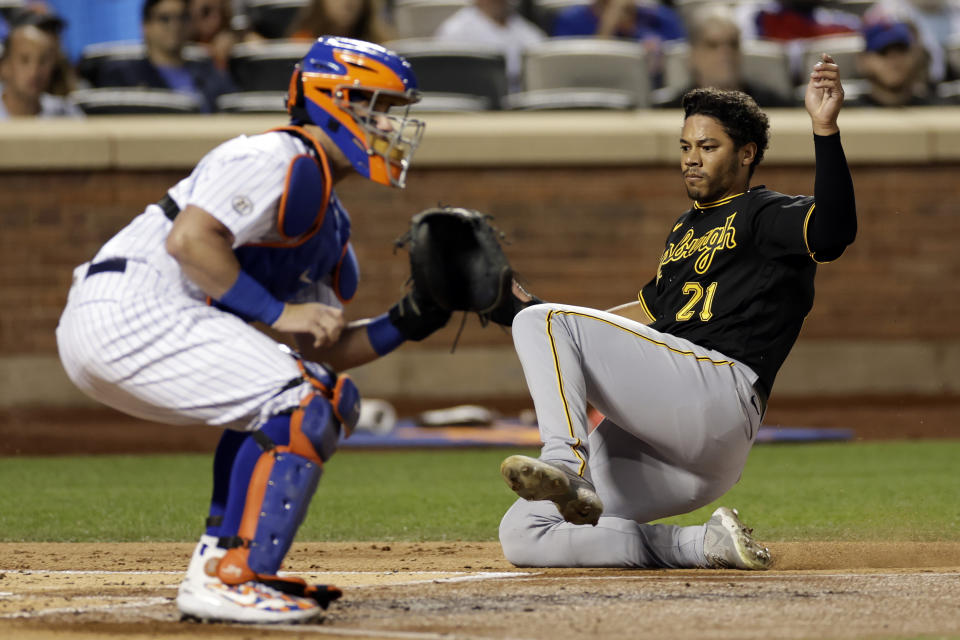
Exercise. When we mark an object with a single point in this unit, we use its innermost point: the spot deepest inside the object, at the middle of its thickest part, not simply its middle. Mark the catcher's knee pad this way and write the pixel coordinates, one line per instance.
(280, 487)
(314, 428)
(339, 389)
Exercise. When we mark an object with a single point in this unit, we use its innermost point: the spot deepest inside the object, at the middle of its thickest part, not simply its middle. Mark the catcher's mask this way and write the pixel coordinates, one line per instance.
(346, 87)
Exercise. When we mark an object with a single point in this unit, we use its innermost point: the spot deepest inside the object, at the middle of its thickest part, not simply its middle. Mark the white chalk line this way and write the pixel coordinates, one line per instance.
(459, 578)
(146, 602)
(71, 572)
(372, 633)
(437, 576)
(97, 572)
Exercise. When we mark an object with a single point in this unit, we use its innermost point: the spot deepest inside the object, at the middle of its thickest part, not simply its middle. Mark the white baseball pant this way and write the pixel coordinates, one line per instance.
(137, 342)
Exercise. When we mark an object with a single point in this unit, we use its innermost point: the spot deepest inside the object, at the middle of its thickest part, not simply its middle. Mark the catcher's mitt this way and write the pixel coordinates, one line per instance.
(456, 260)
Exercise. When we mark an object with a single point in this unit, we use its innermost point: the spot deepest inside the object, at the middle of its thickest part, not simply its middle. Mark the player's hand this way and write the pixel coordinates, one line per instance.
(321, 321)
(520, 293)
(824, 96)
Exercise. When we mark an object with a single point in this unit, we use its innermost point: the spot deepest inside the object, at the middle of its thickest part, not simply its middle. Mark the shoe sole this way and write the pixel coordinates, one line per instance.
(194, 619)
(191, 610)
(532, 479)
(754, 556)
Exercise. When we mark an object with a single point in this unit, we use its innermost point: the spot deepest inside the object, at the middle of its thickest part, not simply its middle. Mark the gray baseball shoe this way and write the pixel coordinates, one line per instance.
(728, 544)
(534, 479)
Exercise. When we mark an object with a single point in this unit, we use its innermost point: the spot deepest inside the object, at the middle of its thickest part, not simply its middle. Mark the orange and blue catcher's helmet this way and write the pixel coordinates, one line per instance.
(346, 87)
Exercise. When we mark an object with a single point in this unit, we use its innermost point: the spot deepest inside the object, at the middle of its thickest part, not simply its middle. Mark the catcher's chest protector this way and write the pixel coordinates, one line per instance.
(314, 232)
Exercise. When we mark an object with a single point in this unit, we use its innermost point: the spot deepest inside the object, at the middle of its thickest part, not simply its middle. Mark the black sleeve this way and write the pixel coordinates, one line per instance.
(648, 298)
(833, 223)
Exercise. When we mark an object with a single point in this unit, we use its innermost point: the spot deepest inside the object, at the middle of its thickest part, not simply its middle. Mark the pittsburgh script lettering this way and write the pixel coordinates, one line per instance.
(707, 245)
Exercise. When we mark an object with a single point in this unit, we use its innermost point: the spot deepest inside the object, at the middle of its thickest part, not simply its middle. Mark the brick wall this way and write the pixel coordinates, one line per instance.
(589, 237)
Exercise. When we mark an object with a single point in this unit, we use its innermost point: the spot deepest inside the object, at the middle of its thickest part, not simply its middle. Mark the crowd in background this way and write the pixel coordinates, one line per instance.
(186, 45)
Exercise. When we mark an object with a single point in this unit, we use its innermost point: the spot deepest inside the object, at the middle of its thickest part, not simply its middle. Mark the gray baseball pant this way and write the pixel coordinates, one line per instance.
(679, 422)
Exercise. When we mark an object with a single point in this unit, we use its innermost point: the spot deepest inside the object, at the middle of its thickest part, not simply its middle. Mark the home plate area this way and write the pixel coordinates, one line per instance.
(467, 590)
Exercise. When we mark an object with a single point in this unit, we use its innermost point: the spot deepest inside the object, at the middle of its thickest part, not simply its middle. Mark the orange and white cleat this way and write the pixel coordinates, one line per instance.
(204, 597)
(250, 602)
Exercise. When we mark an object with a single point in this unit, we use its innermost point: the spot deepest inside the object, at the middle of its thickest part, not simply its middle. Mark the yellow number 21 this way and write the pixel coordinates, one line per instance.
(695, 291)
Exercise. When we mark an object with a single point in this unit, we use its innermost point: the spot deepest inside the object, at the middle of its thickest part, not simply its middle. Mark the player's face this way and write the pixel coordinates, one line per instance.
(378, 119)
(712, 167)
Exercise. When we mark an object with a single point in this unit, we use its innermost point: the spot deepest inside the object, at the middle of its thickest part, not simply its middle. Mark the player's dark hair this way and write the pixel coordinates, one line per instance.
(737, 112)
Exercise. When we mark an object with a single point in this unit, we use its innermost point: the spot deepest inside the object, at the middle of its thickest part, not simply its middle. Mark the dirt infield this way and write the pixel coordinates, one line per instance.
(467, 590)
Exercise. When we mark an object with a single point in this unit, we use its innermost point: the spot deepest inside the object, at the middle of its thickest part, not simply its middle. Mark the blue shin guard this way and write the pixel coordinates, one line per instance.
(280, 483)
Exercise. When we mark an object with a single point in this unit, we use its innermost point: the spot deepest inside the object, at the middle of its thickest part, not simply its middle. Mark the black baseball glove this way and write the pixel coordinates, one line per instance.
(457, 262)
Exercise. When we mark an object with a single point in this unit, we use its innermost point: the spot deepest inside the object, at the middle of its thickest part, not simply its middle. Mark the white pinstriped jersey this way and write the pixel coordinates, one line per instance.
(145, 341)
(240, 183)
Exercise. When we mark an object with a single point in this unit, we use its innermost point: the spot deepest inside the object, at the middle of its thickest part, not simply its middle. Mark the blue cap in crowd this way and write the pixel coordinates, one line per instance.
(880, 35)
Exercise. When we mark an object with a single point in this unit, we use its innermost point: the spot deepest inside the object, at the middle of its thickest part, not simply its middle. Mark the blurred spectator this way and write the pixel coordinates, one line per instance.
(166, 25)
(210, 28)
(94, 21)
(792, 22)
(240, 21)
(619, 19)
(936, 21)
(716, 60)
(40, 13)
(497, 23)
(892, 63)
(360, 19)
(650, 23)
(795, 19)
(31, 52)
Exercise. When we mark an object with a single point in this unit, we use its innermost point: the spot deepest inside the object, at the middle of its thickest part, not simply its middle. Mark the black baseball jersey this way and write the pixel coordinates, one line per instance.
(737, 276)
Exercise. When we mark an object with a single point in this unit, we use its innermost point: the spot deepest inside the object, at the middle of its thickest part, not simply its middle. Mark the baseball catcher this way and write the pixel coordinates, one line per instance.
(158, 323)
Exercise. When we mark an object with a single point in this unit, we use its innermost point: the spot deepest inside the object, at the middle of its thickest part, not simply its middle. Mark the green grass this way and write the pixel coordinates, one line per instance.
(849, 491)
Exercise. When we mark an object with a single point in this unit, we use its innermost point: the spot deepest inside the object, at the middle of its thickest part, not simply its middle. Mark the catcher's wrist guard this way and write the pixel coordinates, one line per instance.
(251, 300)
(384, 337)
(416, 316)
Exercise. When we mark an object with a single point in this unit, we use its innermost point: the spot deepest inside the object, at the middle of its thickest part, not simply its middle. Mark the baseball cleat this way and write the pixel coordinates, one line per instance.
(534, 479)
(250, 602)
(728, 544)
